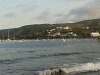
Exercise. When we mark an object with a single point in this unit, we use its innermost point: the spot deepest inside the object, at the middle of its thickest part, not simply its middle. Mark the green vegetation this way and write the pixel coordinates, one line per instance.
(40, 31)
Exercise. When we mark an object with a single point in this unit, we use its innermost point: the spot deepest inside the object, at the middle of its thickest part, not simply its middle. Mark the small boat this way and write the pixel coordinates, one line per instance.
(64, 40)
(8, 37)
(22, 40)
(97, 39)
(8, 40)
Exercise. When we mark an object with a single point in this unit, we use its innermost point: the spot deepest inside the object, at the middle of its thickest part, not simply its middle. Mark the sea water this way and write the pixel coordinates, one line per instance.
(50, 57)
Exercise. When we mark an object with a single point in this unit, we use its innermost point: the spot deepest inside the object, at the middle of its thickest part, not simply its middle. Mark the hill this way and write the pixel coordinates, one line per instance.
(40, 30)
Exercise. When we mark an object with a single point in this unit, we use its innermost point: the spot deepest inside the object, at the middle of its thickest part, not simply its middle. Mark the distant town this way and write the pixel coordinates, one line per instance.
(67, 32)
(82, 29)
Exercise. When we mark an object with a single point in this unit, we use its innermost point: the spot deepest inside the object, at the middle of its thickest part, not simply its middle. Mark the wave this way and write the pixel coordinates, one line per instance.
(71, 70)
(16, 60)
(57, 54)
(10, 61)
(51, 55)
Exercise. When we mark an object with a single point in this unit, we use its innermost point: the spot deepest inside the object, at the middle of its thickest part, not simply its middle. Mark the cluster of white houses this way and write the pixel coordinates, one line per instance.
(56, 32)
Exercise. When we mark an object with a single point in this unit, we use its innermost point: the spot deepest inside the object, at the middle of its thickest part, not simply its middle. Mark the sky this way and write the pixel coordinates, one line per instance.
(17, 13)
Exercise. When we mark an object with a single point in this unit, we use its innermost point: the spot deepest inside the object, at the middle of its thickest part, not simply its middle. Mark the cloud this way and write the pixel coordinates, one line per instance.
(29, 9)
(60, 18)
(49, 17)
(22, 9)
(20, 6)
(26, 8)
(44, 16)
(89, 11)
(10, 15)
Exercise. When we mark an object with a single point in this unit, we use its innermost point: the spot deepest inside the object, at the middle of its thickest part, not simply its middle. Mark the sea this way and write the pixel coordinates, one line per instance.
(50, 57)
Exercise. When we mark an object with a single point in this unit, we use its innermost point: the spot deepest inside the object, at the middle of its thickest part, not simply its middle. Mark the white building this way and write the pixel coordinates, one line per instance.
(95, 34)
(59, 27)
(55, 34)
(66, 27)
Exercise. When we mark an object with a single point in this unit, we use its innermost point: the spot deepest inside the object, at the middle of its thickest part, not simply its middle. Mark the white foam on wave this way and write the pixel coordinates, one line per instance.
(74, 69)
(82, 68)
(48, 72)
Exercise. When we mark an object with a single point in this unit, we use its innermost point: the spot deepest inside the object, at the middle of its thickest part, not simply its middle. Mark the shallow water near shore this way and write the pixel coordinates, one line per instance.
(29, 56)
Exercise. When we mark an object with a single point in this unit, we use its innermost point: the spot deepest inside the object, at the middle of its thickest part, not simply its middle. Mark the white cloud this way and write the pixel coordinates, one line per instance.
(9, 15)
(88, 11)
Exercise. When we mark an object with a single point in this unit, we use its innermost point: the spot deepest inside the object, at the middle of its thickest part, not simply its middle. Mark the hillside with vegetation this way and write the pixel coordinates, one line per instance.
(80, 29)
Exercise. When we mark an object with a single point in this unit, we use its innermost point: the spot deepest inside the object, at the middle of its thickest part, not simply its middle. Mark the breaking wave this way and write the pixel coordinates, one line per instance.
(73, 69)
